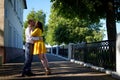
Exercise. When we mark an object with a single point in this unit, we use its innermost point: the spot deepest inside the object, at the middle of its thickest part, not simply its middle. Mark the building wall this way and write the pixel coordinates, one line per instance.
(1, 22)
(2, 30)
(11, 25)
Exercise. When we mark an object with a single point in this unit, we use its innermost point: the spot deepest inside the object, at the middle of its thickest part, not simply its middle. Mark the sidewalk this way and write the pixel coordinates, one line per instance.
(61, 70)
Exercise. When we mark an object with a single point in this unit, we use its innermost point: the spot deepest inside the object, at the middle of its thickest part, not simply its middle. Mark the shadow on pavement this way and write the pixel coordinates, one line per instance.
(61, 70)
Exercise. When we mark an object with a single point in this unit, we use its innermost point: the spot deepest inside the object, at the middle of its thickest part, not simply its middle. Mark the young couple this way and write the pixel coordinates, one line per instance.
(34, 46)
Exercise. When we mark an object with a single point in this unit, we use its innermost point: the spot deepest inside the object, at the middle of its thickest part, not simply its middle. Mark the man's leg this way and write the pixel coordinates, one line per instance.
(28, 59)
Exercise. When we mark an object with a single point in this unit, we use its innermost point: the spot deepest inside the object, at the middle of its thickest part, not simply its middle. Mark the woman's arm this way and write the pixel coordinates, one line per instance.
(34, 35)
(34, 32)
(36, 38)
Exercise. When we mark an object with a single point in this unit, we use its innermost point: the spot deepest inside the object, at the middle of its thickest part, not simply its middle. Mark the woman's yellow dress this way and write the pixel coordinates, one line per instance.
(39, 46)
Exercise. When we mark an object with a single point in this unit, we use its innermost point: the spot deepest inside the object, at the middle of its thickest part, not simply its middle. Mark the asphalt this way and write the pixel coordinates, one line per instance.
(61, 70)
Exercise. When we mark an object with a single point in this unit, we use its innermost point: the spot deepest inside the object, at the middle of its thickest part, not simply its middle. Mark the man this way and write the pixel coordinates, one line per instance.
(29, 49)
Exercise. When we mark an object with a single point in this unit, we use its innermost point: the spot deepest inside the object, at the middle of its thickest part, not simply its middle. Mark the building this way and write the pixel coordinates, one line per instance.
(11, 27)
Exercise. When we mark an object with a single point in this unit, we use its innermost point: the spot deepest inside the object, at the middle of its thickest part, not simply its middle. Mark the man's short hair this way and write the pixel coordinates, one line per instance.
(30, 20)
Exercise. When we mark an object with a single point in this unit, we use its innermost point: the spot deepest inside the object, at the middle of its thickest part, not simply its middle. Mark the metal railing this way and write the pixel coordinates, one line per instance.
(99, 53)
(63, 52)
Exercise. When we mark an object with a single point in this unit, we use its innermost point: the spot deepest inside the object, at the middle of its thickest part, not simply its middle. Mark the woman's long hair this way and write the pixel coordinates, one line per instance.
(39, 25)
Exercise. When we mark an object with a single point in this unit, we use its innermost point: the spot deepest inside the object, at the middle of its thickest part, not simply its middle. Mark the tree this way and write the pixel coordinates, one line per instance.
(37, 16)
(64, 30)
(91, 10)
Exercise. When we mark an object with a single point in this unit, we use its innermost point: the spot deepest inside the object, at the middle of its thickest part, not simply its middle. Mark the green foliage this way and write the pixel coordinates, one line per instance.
(91, 10)
(64, 30)
(37, 16)
(61, 34)
(31, 15)
(50, 36)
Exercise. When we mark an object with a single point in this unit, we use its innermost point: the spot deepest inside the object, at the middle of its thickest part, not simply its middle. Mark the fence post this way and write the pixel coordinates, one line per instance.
(84, 51)
(70, 51)
(118, 54)
(51, 50)
(57, 50)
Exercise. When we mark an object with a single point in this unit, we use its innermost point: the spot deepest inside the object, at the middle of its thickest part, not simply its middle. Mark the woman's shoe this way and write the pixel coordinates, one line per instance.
(48, 71)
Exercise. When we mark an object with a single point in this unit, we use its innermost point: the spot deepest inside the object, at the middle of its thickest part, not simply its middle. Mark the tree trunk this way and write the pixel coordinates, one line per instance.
(110, 20)
(111, 30)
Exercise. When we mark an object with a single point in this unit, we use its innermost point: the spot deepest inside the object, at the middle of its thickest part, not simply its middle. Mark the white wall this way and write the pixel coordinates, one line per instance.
(118, 54)
(13, 23)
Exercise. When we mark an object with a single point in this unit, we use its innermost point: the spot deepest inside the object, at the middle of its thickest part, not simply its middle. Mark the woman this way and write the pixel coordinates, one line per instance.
(39, 47)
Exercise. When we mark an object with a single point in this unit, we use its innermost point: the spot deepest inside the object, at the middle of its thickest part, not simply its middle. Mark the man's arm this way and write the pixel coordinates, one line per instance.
(36, 38)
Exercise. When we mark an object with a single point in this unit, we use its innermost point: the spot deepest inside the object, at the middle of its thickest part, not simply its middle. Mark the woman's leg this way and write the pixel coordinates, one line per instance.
(44, 62)
(47, 69)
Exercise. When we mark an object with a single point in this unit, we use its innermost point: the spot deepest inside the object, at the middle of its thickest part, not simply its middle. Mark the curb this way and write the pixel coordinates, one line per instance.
(88, 65)
(101, 69)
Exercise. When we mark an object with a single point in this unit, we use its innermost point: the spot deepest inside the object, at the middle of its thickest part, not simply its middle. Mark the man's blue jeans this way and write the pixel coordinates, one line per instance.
(28, 57)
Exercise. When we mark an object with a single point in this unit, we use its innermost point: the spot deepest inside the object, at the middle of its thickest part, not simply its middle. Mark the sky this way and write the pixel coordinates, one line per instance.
(104, 27)
(45, 5)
